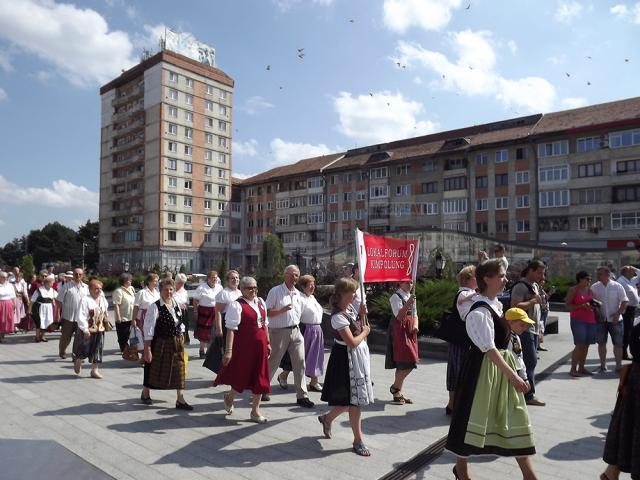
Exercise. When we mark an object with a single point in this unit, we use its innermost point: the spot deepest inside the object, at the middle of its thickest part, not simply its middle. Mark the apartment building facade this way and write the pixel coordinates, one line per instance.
(570, 177)
(165, 165)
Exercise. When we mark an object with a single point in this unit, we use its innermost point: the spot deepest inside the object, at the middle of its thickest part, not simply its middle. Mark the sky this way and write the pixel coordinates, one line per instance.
(371, 71)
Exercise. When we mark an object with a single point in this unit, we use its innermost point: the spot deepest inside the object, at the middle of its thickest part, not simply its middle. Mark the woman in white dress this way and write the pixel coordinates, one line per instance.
(42, 303)
(89, 339)
(181, 296)
(145, 297)
(7, 305)
(225, 297)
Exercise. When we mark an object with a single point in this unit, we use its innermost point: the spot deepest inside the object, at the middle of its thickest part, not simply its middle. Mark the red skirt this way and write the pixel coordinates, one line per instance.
(140, 322)
(249, 365)
(405, 342)
(204, 326)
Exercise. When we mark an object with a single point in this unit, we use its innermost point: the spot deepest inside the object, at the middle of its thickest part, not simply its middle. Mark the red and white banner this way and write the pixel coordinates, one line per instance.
(386, 259)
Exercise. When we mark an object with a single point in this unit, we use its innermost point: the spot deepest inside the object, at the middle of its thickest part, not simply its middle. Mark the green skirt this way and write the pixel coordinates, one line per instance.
(499, 417)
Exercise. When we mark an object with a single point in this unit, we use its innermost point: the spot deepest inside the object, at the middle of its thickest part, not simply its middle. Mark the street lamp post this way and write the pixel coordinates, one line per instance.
(440, 263)
(83, 247)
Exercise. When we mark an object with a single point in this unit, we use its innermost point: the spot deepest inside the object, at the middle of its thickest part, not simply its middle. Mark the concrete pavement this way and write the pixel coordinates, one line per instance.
(103, 422)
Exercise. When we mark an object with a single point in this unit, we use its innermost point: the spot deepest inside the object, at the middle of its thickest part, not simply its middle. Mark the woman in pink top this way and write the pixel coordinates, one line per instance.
(583, 322)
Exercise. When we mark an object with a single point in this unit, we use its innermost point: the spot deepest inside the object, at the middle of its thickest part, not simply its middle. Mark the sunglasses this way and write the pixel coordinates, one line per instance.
(250, 288)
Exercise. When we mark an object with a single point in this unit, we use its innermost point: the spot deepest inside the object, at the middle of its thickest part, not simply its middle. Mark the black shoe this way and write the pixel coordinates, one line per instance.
(266, 397)
(542, 349)
(305, 402)
(202, 354)
(625, 356)
(183, 406)
(146, 400)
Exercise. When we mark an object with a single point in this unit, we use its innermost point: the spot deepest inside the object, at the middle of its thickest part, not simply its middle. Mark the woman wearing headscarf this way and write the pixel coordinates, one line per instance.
(123, 299)
(42, 307)
(164, 367)
(7, 306)
(89, 339)
(144, 298)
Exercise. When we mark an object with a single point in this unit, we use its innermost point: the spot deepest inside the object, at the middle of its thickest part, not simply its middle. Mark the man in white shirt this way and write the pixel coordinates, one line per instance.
(69, 299)
(614, 302)
(629, 279)
(499, 253)
(284, 308)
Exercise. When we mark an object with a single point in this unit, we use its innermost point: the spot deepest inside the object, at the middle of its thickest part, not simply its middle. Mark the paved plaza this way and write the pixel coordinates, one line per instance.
(50, 414)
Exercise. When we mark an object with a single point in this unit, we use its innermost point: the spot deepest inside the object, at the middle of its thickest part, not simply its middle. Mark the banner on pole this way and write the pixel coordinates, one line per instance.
(386, 259)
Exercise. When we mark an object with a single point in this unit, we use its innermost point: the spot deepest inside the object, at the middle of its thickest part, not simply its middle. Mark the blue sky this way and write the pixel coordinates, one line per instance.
(460, 62)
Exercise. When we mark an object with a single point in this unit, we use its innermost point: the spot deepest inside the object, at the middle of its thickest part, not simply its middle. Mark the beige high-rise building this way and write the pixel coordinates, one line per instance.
(165, 165)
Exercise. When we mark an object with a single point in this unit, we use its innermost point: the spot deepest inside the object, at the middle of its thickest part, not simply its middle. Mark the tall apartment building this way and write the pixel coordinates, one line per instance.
(570, 176)
(165, 165)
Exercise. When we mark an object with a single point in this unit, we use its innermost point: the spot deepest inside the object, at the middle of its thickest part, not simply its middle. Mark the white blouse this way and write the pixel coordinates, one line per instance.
(234, 313)
(125, 298)
(311, 311)
(145, 298)
(339, 321)
(463, 308)
(227, 296)
(21, 288)
(479, 323)
(99, 306)
(181, 296)
(205, 295)
(152, 317)
(7, 292)
(396, 303)
(44, 293)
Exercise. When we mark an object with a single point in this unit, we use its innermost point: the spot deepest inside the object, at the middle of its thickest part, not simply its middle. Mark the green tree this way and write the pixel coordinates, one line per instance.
(89, 235)
(54, 242)
(270, 263)
(221, 268)
(26, 266)
(13, 250)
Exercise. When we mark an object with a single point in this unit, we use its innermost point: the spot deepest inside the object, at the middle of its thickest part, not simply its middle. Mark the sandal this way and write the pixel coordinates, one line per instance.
(228, 406)
(361, 449)
(326, 426)
(398, 398)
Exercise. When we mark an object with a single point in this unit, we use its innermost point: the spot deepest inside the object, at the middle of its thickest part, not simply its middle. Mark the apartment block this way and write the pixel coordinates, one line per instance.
(165, 165)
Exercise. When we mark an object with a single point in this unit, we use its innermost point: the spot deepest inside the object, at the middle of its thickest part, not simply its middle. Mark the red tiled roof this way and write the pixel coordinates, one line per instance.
(308, 165)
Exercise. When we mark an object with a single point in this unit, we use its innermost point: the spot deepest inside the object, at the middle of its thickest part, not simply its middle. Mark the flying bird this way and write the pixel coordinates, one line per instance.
(268, 67)
(588, 83)
(470, 68)
(589, 57)
(388, 104)
(370, 94)
(301, 56)
(281, 87)
(443, 75)
(468, 6)
(300, 50)
(626, 60)
(567, 74)
(351, 21)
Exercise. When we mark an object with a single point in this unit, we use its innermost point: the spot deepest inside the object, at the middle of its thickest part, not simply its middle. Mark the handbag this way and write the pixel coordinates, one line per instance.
(596, 305)
(130, 352)
(108, 326)
(213, 358)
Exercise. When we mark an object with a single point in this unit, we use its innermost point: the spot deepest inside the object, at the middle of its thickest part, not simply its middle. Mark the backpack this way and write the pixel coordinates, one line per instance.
(452, 328)
(505, 297)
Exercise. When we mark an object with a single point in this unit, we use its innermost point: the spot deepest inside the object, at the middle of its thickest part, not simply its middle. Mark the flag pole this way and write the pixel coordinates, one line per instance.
(360, 274)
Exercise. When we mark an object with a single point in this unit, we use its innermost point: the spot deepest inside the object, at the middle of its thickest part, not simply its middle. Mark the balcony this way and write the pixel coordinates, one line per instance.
(136, 125)
(129, 96)
(135, 142)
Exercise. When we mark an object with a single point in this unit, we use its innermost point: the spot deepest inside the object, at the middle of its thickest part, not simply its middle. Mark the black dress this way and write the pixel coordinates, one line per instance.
(622, 447)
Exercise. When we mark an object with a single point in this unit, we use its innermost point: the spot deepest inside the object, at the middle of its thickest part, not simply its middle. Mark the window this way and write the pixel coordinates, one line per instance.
(172, 182)
(627, 138)
(455, 183)
(188, 116)
(553, 149)
(207, 171)
(522, 226)
(382, 172)
(188, 167)
(587, 197)
(430, 208)
(210, 89)
(208, 188)
(553, 224)
(188, 99)
(554, 198)
(402, 170)
(587, 144)
(208, 154)
(361, 195)
(430, 187)
(188, 150)
(482, 204)
(403, 190)
(502, 179)
(188, 237)
(333, 198)
(209, 122)
(557, 173)
(348, 196)
(522, 177)
(627, 167)
(502, 203)
(188, 201)
(221, 208)
(482, 182)
(173, 129)
(593, 224)
(222, 110)
(208, 138)
(454, 205)
(207, 204)
(172, 200)
(315, 217)
(281, 204)
(188, 132)
(173, 77)
(172, 147)
(625, 220)
(379, 191)
(334, 179)
(171, 235)
(189, 82)
(522, 201)
(333, 216)
(208, 105)
(173, 112)
(429, 166)
(173, 94)
(629, 193)
(347, 178)
(223, 95)
(187, 219)
(502, 227)
(455, 163)
(188, 184)
(222, 173)
(482, 227)
(346, 215)
(315, 182)
(521, 153)
(171, 217)
(482, 159)
(591, 169)
(222, 190)
(172, 164)
(315, 199)
(222, 125)
(222, 142)
(222, 158)
(502, 156)
(359, 214)
(402, 209)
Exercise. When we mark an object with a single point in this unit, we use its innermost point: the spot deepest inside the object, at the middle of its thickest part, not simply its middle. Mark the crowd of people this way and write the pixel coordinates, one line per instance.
(490, 370)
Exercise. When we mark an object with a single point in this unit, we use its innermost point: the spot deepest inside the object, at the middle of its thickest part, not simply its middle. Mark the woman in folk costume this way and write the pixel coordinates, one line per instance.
(22, 298)
(181, 296)
(144, 298)
(42, 307)
(205, 304)
(349, 365)
(89, 338)
(164, 356)
(7, 306)
(490, 414)
(245, 364)
(224, 298)
(402, 339)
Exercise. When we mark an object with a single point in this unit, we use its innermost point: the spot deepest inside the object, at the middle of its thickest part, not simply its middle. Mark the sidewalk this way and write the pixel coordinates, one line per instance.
(103, 422)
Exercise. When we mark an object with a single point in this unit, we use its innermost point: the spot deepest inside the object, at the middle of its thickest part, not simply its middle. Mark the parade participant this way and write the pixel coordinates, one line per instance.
(181, 296)
(525, 295)
(69, 299)
(123, 299)
(622, 446)
(89, 340)
(42, 304)
(204, 302)
(284, 304)
(490, 414)
(347, 383)
(583, 322)
(245, 363)
(225, 297)
(311, 319)
(164, 356)
(614, 303)
(37, 282)
(630, 280)
(144, 298)
(402, 339)
(7, 306)
(457, 351)
(22, 298)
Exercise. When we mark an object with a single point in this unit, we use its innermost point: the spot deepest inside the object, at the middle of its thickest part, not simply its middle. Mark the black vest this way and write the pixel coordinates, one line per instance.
(165, 326)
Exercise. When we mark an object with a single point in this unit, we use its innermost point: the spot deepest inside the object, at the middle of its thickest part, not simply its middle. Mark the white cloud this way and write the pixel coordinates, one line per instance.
(474, 72)
(151, 37)
(624, 12)
(383, 117)
(417, 80)
(43, 76)
(247, 149)
(567, 11)
(285, 153)
(3, 95)
(513, 46)
(400, 15)
(574, 102)
(620, 11)
(256, 104)
(558, 60)
(5, 61)
(285, 5)
(2, 223)
(62, 194)
(243, 176)
(77, 41)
